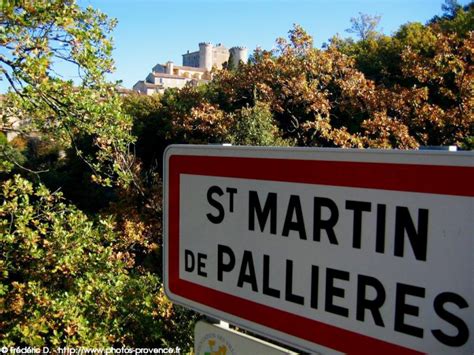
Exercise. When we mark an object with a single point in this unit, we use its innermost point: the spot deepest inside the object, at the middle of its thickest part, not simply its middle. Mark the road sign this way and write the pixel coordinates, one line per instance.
(328, 250)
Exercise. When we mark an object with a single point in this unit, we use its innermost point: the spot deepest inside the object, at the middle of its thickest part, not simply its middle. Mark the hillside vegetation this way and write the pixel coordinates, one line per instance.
(81, 213)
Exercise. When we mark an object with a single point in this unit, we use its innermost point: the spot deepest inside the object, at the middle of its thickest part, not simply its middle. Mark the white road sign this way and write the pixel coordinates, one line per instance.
(328, 250)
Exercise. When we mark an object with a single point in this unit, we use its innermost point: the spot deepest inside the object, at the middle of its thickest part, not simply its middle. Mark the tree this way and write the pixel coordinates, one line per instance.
(255, 126)
(68, 279)
(399, 91)
(423, 75)
(450, 8)
(364, 26)
(8, 154)
(37, 36)
(455, 19)
(230, 65)
(62, 283)
(300, 85)
(379, 58)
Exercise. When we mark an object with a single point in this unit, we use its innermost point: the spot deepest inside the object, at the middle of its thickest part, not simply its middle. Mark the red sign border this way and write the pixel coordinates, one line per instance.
(386, 176)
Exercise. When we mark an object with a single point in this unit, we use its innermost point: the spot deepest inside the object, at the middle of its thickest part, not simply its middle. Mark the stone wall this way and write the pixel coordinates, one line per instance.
(191, 59)
(220, 55)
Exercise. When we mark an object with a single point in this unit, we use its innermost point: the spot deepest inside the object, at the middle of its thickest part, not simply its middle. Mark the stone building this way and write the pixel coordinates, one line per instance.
(209, 56)
(196, 68)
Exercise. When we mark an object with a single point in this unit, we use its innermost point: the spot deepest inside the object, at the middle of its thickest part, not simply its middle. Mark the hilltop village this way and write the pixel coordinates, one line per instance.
(196, 68)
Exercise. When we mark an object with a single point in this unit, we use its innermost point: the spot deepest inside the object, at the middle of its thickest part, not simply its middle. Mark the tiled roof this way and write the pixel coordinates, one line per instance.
(123, 90)
(149, 85)
(182, 67)
(202, 70)
(171, 76)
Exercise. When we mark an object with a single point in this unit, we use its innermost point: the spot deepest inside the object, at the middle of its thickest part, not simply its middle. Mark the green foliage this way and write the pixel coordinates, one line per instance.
(9, 155)
(451, 8)
(255, 126)
(150, 125)
(61, 283)
(37, 37)
(416, 36)
(455, 19)
(379, 57)
(229, 65)
(422, 73)
(468, 143)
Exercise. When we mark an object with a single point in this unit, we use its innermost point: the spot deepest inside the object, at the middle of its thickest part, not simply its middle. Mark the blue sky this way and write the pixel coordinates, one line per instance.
(155, 31)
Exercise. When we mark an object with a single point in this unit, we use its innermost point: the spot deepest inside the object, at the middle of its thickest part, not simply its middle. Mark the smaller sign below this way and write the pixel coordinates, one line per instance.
(215, 339)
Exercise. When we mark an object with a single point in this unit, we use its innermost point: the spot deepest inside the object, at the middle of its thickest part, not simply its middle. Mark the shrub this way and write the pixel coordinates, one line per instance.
(61, 283)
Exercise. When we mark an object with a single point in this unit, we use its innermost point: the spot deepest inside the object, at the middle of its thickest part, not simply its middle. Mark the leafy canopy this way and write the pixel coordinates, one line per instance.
(39, 39)
(61, 281)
